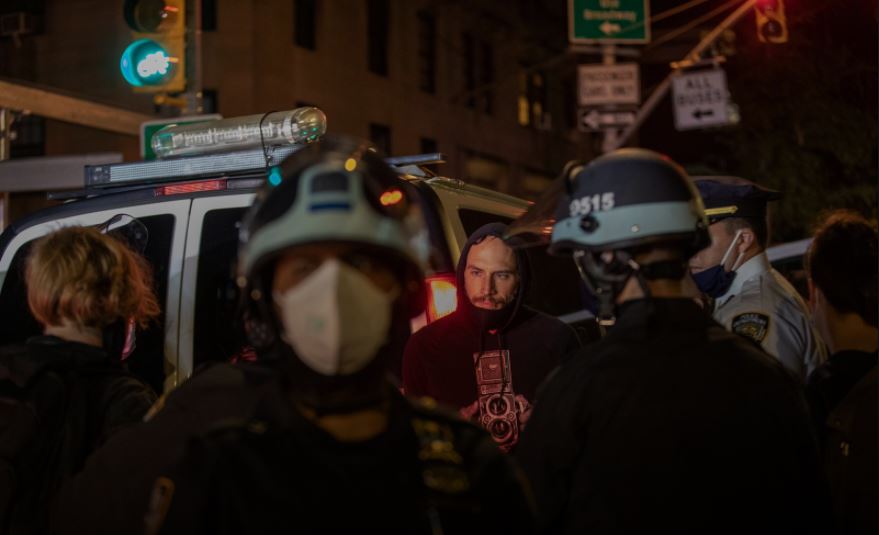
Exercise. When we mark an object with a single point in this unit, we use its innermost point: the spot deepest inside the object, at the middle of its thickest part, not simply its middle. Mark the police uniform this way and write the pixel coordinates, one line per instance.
(760, 303)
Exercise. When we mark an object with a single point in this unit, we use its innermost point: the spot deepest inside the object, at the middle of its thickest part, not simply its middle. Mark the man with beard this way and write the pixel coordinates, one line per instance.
(488, 358)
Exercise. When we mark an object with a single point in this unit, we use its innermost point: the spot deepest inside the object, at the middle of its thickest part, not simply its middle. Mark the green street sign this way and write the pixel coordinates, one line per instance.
(608, 21)
(148, 128)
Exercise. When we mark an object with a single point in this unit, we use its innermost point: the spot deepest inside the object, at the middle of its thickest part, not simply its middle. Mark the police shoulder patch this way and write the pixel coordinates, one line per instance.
(753, 325)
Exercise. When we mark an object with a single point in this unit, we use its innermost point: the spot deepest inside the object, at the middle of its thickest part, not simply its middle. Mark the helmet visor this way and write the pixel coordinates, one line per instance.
(534, 227)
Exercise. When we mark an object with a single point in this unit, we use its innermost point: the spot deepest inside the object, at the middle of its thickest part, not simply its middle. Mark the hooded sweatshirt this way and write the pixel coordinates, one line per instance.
(439, 359)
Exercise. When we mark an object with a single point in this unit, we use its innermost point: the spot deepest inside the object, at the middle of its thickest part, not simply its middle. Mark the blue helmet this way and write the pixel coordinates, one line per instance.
(629, 198)
(602, 212)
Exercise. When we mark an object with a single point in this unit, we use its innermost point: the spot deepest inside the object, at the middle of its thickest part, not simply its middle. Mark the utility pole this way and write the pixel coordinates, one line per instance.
(5, 146)
(611, 134)
(691, 58)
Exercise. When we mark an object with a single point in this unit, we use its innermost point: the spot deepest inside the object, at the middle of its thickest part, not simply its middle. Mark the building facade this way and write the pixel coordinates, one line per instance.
(470, 79)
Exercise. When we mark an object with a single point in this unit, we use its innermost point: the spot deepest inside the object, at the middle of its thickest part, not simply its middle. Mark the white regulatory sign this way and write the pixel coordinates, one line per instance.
(598, 85)
(701, 99)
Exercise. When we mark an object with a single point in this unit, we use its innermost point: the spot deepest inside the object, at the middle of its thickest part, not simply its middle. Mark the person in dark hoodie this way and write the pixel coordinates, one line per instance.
(63, 393)
(488, 358)
(843, 298)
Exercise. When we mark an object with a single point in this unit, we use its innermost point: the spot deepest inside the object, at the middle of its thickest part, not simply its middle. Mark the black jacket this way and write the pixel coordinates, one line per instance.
(111, 494)
(80, 398)
(672, 425)
(843, 395)
(427, 473)
(438, 361)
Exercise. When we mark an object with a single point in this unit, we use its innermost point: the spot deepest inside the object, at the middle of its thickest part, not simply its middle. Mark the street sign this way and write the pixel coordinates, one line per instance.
(608, 21)
(148, 128)
(595, 120)
(608, 84)
(701, 99)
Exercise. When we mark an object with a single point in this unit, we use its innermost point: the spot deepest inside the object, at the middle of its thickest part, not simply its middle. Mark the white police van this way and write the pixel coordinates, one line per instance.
(192, 206)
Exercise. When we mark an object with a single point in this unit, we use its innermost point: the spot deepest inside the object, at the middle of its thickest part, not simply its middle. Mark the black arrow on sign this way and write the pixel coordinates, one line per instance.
(698, 114)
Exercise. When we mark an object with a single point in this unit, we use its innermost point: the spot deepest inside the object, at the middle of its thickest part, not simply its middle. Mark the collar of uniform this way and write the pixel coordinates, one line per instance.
(747, 271)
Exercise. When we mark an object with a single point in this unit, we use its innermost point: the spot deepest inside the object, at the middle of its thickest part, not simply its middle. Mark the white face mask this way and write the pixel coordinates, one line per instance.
(336, 319)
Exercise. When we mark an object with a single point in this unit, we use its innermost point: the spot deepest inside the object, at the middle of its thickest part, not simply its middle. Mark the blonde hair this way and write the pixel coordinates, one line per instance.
(88, 278)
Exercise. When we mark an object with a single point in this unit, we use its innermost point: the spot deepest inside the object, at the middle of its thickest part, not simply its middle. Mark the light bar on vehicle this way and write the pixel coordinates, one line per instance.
(294, 127)
(102, 176)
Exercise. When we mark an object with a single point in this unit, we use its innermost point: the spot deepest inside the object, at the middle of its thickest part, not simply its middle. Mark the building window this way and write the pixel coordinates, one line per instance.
(209, 101)
(532, 98)
(486, 171)
(377, 31)
(29, 136)
(208, 15)
(479, 74)
(429, 146)
(427, 52)
(469, 52)
(486, 78)
(304, 23)
(380, 135)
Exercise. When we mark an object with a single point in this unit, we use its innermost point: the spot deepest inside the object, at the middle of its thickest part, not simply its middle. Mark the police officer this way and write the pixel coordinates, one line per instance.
(668, 423)
(331, 265)
(751, 298)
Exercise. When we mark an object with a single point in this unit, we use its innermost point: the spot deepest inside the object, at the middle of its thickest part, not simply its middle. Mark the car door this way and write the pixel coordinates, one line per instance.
(156, 356)
(209, 329)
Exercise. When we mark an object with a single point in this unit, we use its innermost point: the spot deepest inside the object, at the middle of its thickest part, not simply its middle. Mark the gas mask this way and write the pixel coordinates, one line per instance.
(336, 319)
(715, 281)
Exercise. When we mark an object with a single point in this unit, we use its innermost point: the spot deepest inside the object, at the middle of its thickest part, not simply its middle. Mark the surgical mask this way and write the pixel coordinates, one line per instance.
(336, 319)
(715, 281)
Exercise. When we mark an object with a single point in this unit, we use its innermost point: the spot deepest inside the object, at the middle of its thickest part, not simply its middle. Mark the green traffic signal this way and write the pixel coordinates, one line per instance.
(155, 59)
(146, 63)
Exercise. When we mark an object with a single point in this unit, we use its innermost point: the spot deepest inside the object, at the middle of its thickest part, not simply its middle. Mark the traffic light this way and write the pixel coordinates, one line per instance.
(771, 22)
(155, 60)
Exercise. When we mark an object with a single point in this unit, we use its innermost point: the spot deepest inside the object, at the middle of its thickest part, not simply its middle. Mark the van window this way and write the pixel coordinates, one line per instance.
(147, 360)
(556, 287)
(216, 333)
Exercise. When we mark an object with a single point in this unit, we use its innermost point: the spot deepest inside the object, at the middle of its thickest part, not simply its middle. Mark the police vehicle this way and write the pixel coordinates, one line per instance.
(191, 202)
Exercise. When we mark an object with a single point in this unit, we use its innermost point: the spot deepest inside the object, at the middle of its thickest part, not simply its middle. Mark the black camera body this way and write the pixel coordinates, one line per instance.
(497, 402)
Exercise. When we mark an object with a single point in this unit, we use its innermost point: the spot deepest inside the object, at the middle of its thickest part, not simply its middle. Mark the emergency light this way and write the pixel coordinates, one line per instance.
(236, 146)
(295, 127)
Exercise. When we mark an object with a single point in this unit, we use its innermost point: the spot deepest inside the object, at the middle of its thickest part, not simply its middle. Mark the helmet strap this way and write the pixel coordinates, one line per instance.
(605, 275)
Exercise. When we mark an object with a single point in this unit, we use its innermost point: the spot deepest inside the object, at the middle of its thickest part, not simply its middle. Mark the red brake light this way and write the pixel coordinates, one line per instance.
(442, 297)
(191, 187)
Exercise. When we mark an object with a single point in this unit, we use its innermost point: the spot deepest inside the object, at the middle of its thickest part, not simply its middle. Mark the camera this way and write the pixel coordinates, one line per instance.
(497, 402)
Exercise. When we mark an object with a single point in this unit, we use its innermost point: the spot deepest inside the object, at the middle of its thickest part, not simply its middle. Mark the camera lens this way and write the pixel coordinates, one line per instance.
(500, 429)
(498, 406)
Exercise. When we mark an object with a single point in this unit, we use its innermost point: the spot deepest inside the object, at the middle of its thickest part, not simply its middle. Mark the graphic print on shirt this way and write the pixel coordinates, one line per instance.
(753, 325)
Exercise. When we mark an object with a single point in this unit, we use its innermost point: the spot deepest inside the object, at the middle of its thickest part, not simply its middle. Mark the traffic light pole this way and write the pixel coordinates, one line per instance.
(662, 89)
(5, 146)
(196, 88)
